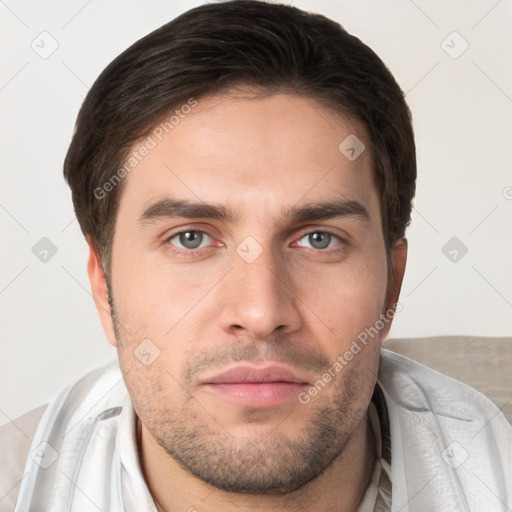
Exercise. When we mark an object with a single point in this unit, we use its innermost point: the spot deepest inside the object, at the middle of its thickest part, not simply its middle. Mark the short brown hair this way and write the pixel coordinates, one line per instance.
(211, 48)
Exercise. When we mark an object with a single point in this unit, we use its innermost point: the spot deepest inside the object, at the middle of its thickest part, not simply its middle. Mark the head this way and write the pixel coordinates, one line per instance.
(244, 177)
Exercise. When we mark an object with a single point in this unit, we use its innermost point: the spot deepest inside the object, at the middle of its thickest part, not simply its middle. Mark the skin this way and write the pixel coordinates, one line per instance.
(295, 304)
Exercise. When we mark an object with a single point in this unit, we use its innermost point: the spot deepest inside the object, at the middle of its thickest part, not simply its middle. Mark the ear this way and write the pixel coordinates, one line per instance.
(100, 293)
(398, 261)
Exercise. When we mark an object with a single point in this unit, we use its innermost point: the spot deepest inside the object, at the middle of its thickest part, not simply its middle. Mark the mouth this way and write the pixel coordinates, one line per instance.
(256, 387)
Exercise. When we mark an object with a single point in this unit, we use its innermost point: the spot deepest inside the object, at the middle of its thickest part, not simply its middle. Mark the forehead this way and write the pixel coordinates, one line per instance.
(248, 151)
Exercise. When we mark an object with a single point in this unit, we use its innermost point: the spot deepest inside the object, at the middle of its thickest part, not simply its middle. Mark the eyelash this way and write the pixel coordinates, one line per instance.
(193, 252)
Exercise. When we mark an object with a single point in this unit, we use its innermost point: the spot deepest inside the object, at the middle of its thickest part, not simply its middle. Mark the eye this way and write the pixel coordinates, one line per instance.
(190, 239)
(321, 239)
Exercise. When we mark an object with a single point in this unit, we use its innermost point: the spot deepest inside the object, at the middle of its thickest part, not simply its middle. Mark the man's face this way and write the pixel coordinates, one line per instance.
(250, 309)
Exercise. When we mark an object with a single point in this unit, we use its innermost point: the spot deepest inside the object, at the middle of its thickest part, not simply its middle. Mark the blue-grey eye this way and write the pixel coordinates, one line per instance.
(320, 239)
(189, 239)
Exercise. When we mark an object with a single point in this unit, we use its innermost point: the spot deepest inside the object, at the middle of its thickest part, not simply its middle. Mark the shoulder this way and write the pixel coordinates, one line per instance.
(481, 362)
(422, 388)
(15, 440)
(82, 402)
(453, 436)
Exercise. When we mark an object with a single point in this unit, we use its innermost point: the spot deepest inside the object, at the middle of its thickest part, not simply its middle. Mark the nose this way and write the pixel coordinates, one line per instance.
(259, 298)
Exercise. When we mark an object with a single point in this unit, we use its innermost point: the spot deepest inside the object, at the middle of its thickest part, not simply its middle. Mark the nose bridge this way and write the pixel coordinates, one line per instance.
(258, 267)
(261, 297)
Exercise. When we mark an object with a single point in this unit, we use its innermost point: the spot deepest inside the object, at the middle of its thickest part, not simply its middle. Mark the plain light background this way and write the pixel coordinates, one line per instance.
(461, 103)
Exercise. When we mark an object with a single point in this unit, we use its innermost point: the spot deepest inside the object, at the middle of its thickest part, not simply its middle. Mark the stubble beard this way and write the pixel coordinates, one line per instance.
(274, 463)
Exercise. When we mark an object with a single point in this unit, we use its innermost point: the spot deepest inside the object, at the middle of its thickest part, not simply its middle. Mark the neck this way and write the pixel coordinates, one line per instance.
(341, 487)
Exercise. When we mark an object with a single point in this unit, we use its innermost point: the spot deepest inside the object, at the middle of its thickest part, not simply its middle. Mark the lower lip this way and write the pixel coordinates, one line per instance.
(257, 395)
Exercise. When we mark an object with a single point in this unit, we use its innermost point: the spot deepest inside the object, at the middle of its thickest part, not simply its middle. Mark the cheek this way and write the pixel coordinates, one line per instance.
(154, 390)
(151, 308)
(365, 293)
(348, 299)
(150, 298)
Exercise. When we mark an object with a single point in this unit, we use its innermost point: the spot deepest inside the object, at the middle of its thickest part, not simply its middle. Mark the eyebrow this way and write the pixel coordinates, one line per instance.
(169, 208)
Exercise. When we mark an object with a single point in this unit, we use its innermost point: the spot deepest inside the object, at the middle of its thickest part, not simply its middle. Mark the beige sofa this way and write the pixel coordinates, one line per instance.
(483, 363)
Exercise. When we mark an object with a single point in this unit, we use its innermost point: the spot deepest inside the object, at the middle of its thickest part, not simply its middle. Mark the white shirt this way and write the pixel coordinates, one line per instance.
(451, 448)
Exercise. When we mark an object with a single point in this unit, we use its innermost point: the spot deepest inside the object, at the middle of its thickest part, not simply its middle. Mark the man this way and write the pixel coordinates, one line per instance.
(243, 177)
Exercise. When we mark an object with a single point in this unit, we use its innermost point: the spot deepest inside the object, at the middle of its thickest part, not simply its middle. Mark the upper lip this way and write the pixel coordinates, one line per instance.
(255, 375)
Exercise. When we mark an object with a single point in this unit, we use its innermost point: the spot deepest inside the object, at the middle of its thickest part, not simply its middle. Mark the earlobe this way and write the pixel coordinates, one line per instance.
(399, 260)
(100, 293)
